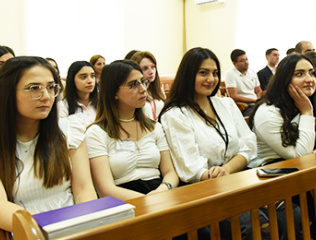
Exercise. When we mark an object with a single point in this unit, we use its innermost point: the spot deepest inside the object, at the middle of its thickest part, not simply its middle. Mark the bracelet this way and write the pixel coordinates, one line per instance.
(169, 185)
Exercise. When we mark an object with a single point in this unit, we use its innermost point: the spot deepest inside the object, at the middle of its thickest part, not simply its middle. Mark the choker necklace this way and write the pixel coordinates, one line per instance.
(127, 120)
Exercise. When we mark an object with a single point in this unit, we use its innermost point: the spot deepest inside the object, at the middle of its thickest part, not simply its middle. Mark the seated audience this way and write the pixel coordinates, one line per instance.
(98, 62)
(44, 163)
(192, 114)
(155, 95)
(241, 82)
(129, 155)
(80, 95)
(304, 47)
(264, 75)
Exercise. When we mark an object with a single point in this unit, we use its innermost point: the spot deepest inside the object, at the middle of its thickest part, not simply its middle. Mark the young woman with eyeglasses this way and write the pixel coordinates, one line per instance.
(128, 152)
(155, 95)
(43, 163)
(80, 95)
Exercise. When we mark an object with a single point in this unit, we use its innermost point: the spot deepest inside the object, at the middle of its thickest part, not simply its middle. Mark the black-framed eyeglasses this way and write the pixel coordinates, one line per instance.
(36, 91)
(135, 85)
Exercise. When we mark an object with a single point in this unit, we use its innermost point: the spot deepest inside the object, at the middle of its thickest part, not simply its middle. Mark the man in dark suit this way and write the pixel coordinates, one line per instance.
(266, 73)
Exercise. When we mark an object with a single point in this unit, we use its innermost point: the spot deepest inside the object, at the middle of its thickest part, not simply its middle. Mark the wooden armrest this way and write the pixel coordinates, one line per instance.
(25, 226)
(242, 106)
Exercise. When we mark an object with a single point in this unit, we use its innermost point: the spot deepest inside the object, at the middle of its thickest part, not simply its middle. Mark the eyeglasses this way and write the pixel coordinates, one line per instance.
(135, 85)
(36, 91)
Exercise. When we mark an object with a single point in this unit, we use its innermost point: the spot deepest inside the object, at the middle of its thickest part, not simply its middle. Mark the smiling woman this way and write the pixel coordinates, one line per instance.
(283, 119)
(207, 135)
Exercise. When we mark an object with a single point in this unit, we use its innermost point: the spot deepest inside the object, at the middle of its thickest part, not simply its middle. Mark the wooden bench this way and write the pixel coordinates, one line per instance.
(186, 209)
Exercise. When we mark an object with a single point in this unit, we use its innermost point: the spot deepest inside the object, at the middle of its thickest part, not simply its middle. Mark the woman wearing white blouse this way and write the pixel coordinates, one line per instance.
(283, 119)
(208, 136)
(129, 155)
(44, 163)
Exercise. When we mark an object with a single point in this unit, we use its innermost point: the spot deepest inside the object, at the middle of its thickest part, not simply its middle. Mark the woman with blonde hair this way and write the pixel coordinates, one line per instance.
(156, 97)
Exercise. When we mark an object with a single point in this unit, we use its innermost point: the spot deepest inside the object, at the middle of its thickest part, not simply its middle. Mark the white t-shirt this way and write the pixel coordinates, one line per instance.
(126, 162)
(195, 147)
(245, 84)
(28, 191)
(267, 126)
(87, 114)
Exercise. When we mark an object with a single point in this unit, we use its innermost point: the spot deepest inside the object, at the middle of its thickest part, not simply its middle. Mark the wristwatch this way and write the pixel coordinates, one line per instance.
(169, 185)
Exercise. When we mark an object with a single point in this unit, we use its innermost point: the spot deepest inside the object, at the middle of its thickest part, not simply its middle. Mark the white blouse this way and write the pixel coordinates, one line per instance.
(87, 114)
(267, 126)
(28, 190)
(195, 147)
(126, 162)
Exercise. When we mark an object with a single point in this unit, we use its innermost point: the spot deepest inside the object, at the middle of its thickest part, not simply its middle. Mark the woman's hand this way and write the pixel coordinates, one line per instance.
(217, 171)
(302, 102)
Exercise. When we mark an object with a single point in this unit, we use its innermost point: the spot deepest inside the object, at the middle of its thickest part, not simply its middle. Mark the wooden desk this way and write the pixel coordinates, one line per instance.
(185, 209)
(234, 182)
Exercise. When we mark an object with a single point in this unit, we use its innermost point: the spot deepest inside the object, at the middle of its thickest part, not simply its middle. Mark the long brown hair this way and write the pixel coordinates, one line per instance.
(51, 162)
(112, 77)
(154, 88)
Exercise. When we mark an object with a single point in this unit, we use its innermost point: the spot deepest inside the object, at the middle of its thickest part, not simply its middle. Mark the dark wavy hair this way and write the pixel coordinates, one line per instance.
(71, 95)
(277, 94)
(182, 91)
(51, 162)
(112, 77)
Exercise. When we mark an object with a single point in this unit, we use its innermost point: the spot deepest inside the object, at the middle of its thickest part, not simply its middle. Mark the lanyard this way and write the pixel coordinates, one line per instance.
(153, 108)
(225, 139)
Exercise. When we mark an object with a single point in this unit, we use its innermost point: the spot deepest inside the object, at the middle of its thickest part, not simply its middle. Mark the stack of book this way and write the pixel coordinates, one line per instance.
(83, 216)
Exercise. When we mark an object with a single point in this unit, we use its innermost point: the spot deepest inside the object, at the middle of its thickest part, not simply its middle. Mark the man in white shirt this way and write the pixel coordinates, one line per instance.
(242, 83)
(264, 75)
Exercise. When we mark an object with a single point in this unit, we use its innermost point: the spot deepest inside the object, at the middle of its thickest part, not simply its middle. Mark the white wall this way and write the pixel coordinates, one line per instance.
(253, 26)
(71, 30)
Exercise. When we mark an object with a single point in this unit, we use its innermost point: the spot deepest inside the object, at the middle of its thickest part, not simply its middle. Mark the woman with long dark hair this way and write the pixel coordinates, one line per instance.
(43, 163)
(283, 119)
(207, 135)
(129, 155)
(81, 94)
